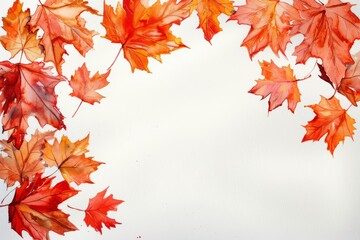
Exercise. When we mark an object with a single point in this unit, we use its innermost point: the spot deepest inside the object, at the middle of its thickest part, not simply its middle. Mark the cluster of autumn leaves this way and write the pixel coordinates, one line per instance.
(143, 31)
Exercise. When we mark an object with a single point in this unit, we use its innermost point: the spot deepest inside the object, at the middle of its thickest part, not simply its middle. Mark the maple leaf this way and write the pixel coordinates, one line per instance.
(34, 208)
(18, 37)
(330, 120)
(350, 84)
(27, 90)
(84, 87)
(61, 22)
(70, 159)
(329, 32)
(144, 31)
(280, 84)
(23, 163)
(97, 210)
(270, 23)
(208, 13)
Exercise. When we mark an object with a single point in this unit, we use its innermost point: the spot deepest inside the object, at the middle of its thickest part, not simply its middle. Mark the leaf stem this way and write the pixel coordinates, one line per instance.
(76, 208)
(77, 109)
(309, 74)
(2, 201)
(117, 55)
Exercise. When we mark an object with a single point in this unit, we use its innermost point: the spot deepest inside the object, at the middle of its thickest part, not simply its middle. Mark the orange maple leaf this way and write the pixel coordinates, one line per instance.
(270, 23)
(97, 210)
(329, 32)
(70, 159)
(330, 120)
(350, 84)
(23, 163)
(208, 13)
(61, 22)
(144, 31)
(28, 90)
(34, 208)
(280, 84)
(18, 37)
(84, 87)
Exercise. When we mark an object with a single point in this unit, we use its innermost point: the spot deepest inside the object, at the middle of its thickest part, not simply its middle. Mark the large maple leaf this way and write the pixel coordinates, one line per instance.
(18, 37)
(144, 31)
(27, 90)
(61, 22)
(70, 159)
(208, 12)
(24, 163)
(97, 210)
(34, 208)
(280, 84)
(270, 23)
(350, 84)
(329, 32)
(330, 120)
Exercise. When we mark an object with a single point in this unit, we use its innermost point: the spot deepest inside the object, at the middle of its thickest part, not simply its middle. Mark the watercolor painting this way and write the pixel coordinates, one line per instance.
(188, 119)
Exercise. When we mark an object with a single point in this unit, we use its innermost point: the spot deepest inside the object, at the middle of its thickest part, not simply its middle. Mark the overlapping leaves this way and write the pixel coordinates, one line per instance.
(39, 40)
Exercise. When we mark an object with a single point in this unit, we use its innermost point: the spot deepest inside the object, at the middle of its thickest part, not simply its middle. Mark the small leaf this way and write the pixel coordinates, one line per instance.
(330, 120)
(97, 210)
(84, 87)
(280, 84)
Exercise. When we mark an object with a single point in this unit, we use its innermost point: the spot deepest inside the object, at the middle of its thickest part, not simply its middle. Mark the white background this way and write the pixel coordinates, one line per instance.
(196, 157)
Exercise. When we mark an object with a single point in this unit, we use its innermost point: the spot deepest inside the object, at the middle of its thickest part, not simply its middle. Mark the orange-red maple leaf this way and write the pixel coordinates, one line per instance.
(70, 159)
(280, 84)
(84, 86)
(208, 12)
(34, 208)
(350, 84)
(24, 163)
(27, 90)
(144, 31)
(329, 32)
(97, 210)
(61, 22)
(270, 23)
(18, 37)
(330, 120)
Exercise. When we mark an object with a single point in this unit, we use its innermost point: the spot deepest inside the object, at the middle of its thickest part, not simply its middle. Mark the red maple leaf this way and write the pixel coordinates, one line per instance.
(34, 208)
(97, 210)
(144, 31)
(330, 120)
(280, 84)
(27, 90)
(329, 32)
